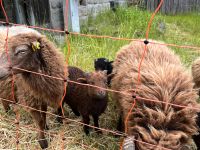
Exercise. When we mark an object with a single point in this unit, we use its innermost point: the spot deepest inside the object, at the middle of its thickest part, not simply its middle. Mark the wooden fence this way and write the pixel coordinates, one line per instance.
(46, 13)
(50, 13)
(174, 6)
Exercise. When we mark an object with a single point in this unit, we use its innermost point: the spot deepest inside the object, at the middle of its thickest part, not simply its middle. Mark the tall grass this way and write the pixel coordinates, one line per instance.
(132, 23)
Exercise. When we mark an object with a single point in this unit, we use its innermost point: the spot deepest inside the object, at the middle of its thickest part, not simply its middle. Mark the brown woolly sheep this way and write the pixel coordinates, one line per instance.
(196, 79)
(86, 100)
(196, 73)
(6, 96)
(6, 84)
(163, 78)
(33, 90)
(196, 138)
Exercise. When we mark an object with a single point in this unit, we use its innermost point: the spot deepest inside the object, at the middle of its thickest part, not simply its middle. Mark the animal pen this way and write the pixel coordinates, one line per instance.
(67, 32)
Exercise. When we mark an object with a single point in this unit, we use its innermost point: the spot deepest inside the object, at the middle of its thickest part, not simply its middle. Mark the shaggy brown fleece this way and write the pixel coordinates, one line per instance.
(6, 92)
(6, 84)
(6, 96)
(33, 90)
(40, 87)
(196, 72)
(196, 79)
(163, 78)
(52, 63)
(87, 101)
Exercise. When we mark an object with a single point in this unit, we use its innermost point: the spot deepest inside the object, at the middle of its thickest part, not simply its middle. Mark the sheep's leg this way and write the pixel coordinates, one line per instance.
(41, 124)
(43, 114)
(75, 111)
(6, 106)
(86, 120)
(120, 125)
(96, 123)
(196, 138)
(59, 117)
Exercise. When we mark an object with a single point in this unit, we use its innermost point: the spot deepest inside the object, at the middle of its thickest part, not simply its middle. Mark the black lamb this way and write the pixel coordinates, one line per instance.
(104, 64)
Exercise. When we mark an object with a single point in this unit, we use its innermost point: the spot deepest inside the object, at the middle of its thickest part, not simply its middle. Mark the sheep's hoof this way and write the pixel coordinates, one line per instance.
(46, 127)
(7, 109)
(59, 120)
(99, 132)
(43, 143)
(87, 132)
(77, 114)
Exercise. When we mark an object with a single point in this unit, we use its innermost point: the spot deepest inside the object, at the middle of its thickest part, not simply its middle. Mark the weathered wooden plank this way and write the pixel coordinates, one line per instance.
(56, 14)
(73, 16)
(147, 5)
(163, 7)
(167, 7)
(171, 5)
(40, 10)
(9, 7)
(20, 12)
(32, 16)
(174, 6)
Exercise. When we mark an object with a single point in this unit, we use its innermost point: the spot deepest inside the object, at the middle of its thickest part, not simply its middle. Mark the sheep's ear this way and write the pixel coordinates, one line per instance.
(105, 72)
(111, 62)
(35, 46)
(82, 80)
(87, 74)
(106, 60)
(111, 75)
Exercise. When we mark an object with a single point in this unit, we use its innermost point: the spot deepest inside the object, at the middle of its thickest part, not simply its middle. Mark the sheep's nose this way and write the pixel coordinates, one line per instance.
(4, 66)
(102, 94)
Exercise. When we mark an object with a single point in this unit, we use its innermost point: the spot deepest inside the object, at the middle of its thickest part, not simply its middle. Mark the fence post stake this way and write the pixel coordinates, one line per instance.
(20, 14)
(73, 16)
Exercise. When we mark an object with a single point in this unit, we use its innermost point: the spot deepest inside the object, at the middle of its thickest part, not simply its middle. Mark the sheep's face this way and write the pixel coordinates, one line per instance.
(103, 64)
(24, 52)
(97, 78)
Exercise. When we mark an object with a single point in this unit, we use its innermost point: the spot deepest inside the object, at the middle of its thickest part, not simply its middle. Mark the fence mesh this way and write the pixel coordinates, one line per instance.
(61, 135)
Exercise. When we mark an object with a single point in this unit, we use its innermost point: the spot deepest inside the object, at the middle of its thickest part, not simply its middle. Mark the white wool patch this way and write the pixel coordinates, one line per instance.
(15, 30)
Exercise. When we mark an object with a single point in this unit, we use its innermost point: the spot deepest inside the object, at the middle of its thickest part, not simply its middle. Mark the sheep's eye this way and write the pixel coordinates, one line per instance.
(105, 82)
(21, 52)
(92, 83)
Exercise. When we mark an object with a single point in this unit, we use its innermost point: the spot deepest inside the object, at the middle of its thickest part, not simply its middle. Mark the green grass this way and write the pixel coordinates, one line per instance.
(132, 23)
(125, 23)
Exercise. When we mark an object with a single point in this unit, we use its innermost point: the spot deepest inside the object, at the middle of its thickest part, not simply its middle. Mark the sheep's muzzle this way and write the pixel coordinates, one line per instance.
(5, 68)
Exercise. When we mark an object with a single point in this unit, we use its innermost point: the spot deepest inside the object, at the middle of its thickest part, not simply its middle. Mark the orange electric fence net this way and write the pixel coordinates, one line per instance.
(62, 133)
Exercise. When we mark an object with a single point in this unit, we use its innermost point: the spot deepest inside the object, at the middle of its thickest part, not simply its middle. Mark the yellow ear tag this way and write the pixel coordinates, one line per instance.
(35, 46)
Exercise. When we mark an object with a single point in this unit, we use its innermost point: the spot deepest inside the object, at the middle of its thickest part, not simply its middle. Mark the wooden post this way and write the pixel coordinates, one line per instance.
(73, 16)
(175, 6)
(20, 14)
(9, 7)
(32, 16)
